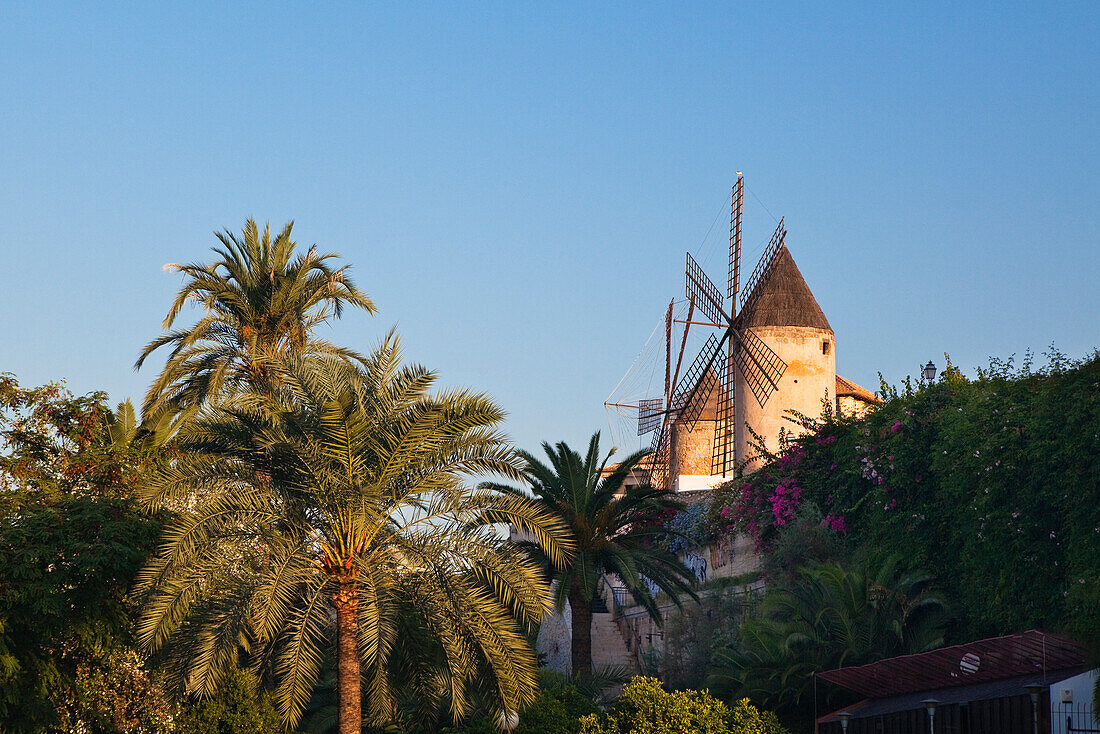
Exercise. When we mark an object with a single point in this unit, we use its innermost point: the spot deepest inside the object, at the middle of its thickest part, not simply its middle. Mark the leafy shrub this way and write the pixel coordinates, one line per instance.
(557, 710)
(240, 707)
(646, 708)
(71, 542)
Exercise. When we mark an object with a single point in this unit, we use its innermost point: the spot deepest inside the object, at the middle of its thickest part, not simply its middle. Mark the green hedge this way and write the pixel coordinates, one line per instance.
(990, 484)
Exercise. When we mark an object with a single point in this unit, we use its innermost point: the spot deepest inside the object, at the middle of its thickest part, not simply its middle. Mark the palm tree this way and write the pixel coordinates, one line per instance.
(614, 530)
(830, 616)
(332, 516)
(258, 303)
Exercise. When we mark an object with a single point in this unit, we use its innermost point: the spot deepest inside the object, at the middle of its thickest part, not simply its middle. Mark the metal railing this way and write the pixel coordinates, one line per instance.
(1078, 717)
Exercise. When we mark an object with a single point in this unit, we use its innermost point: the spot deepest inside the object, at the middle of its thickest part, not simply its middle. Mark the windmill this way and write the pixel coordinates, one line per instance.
(734, 351)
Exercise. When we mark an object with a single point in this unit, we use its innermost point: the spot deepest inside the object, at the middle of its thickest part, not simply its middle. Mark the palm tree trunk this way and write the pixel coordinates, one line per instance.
(581, 643)
(349, 703)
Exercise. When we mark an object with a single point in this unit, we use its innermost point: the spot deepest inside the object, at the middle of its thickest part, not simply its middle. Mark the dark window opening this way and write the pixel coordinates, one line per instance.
(825, 347)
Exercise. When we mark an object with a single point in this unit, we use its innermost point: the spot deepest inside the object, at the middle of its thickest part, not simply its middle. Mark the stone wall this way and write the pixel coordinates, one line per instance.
(555, 641)
(851, 406)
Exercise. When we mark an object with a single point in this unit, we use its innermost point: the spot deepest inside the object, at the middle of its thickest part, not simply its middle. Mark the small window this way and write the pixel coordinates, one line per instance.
(825, 346)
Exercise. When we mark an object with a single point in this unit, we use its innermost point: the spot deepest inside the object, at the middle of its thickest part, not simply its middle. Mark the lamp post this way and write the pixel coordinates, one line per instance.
(930, 705)
(929, 371)
(844, 717)
(1033, 691)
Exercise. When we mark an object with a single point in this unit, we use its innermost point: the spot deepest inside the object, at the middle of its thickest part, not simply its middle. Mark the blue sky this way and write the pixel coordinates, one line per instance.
(516, 184)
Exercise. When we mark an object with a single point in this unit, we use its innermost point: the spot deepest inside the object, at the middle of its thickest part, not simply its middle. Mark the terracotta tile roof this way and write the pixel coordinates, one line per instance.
(845, 388)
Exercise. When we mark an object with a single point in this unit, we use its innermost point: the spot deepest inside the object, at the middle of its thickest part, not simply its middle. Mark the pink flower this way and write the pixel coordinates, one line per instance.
(835, 522)
(896, 427)
(725, 512)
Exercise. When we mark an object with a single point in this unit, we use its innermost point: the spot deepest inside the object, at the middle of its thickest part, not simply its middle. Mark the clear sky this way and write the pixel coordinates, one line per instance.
(516, 183)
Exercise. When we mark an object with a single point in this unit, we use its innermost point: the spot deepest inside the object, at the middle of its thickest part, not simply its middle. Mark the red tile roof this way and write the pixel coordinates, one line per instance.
(849, 389)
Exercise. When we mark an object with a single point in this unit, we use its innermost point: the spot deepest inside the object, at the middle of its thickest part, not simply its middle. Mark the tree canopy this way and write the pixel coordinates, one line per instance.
(331, 516)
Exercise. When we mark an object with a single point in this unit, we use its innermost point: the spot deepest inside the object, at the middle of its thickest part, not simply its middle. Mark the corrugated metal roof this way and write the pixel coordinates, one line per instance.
(982, 661)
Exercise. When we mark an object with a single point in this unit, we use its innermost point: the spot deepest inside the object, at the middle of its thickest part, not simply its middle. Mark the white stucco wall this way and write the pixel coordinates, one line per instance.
(810, 377)
(1078, 691)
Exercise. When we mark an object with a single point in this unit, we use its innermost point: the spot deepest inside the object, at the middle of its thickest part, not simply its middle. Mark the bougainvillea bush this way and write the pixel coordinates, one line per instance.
(992, 484)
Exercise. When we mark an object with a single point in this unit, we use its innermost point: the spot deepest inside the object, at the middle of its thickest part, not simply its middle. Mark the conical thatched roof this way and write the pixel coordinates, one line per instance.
(784, 299)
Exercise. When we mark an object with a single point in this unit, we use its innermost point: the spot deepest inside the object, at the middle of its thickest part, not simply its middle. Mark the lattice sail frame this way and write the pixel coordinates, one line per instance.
(722, 457)
(650, 412)
(657, 474)
(764, 266)
(699, 376)
(703, 293)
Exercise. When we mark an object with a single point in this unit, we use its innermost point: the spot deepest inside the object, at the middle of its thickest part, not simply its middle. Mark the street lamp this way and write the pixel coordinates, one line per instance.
(929, 372)
(930, 705)
(1034, 690)
(844, 717)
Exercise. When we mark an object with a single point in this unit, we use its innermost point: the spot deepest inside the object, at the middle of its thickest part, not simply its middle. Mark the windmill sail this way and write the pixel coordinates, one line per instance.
(759, 364)
(763, 266)
(649, 414)
(722, 456)
(703, 293)
(698, 381)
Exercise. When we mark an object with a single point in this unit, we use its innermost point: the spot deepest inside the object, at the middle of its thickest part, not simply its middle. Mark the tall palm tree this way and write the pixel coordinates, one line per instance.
(613, 529)
(259, 301)
(830, 616)
(335, 518)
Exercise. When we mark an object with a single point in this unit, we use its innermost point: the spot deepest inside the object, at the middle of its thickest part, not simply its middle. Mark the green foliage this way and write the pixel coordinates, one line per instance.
(805, 541)
(968, 479)
(557, 710)
(344, 490)
(646, 708)
(71, 543)
(826, 617)
(259, 301)
(239, 706)
(694, 633)
(747, 719)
